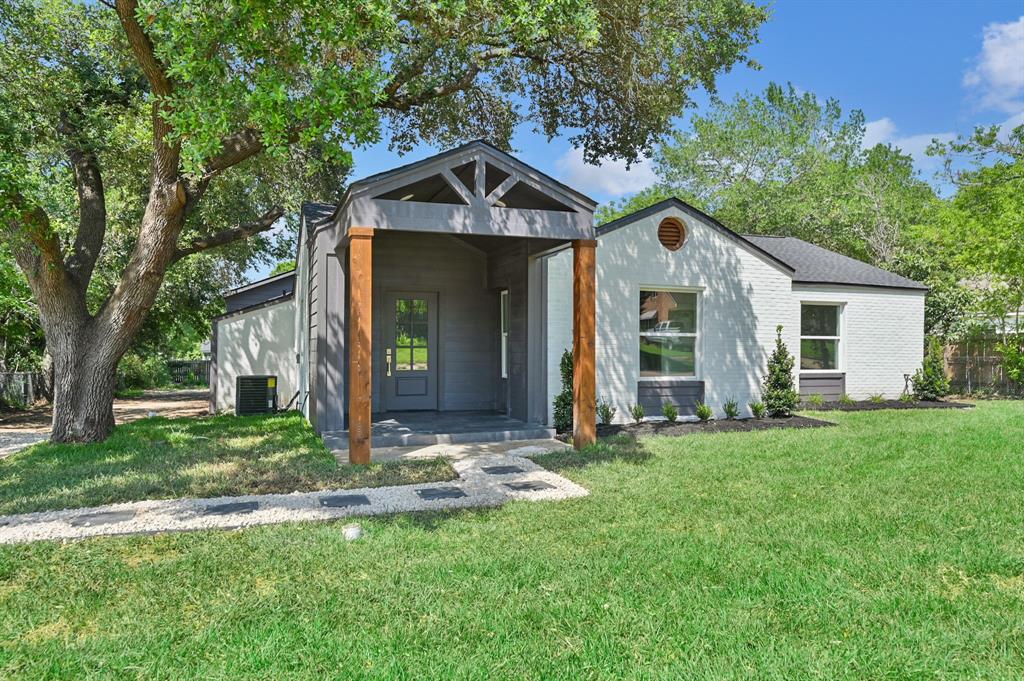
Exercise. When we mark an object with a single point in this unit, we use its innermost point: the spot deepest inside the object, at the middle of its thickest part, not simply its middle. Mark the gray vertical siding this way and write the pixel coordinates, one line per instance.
(509, 269)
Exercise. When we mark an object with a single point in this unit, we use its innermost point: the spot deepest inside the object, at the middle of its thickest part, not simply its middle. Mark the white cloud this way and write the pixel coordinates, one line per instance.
(885, 131)
(998, 74)
(611, 178)
(878, 132)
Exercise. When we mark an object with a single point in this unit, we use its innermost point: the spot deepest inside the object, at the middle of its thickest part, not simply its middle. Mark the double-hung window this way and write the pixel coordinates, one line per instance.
(819, 337)
(668, 333)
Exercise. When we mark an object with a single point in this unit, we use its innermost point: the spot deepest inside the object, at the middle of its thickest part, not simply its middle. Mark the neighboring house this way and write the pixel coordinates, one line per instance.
(456, 276)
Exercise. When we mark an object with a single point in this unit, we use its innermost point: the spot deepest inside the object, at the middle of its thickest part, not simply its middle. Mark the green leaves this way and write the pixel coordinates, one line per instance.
(783, 162)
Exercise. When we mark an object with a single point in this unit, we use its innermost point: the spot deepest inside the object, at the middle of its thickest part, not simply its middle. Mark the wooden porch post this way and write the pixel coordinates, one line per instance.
(360, 292)
(584, 380)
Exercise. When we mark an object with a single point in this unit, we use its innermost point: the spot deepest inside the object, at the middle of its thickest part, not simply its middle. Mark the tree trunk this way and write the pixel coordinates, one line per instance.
(85, 373)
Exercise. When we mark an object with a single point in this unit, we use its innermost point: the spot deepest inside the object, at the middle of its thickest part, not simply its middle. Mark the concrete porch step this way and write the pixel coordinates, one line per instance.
(338, 440)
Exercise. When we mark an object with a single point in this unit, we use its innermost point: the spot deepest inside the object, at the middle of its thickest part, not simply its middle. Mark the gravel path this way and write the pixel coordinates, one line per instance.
(489, 480)
(11, 441)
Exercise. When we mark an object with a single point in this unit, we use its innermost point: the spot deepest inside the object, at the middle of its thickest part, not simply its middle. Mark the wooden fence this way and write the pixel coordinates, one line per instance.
(189, 371)
(976, 365)
(22, 388)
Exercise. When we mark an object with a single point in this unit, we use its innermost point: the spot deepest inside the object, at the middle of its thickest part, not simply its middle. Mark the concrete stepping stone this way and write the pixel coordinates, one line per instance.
(231, 508)
(436, 493)
(344, 500)
(528, 486)
(101, 518)
(501, 470)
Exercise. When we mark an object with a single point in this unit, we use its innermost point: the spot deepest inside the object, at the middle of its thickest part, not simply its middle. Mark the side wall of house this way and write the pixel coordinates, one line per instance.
(881, 337)
(258, 342)
(742, 297)
(302, 325)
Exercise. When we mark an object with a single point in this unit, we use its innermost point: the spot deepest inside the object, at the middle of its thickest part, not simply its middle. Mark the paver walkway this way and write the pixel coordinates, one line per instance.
(486, 480)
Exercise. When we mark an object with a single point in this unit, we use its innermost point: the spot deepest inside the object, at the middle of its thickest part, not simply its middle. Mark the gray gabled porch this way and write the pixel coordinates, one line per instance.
(413, 273)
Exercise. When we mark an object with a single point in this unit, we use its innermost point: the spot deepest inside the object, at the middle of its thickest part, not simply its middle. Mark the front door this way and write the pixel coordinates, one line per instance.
(410, 351)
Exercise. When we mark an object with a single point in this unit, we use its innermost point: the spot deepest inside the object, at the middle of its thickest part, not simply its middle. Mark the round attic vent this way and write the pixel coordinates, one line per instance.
(671, 233)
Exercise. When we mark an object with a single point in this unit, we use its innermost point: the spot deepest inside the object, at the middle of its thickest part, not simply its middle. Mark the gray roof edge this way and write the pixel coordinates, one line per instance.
(483, 144)
(696, 213)
(918, 286)
(255, 306)
(260, 282)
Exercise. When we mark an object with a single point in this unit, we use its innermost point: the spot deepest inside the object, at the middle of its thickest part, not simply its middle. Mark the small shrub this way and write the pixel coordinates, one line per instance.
(780, 396)
(846, 399)
(563, 400)
(606, 412)
(816, 400)
(704, 412)
(637, 412)
(877, 398)
(930, 382)
(140, 373)
(731, 408)
(758, 409)
(669, 411)
(906, 398)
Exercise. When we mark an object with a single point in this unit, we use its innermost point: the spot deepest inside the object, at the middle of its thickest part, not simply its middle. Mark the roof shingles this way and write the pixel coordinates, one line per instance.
(816, 265)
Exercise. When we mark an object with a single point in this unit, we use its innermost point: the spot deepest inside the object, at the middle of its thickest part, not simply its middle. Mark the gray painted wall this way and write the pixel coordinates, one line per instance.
(468, 342)
(652, 394)
(508, 269)
(829, 386)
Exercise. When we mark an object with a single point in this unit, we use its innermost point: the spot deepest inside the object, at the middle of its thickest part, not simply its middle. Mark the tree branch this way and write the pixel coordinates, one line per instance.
(166, 156)
(92, 215)
(243, 231)
(462, 82)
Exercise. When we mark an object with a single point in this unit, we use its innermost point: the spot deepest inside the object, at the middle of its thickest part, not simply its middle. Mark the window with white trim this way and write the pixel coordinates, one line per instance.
(504, 334)
(668, 333)
(819, 337)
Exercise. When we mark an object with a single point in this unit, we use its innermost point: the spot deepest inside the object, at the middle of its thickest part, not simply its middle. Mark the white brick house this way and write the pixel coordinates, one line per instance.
(433, 304)
(741, 289)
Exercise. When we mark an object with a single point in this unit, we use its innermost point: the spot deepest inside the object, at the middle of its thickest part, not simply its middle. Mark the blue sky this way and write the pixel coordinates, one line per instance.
(916, 69)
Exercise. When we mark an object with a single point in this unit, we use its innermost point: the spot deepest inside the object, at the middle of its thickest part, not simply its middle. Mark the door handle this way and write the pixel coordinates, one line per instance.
(387, 356)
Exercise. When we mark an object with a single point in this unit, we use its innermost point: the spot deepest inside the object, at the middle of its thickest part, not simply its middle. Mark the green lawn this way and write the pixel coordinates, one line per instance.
(161, 458)
(889, 547)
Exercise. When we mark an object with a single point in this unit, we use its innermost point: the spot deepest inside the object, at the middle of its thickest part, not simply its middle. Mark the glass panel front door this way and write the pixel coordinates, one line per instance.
(410, 352)
(412, 335)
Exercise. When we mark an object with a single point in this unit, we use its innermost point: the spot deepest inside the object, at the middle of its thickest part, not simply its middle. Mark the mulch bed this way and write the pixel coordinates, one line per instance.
(670, 429)
(867, 405)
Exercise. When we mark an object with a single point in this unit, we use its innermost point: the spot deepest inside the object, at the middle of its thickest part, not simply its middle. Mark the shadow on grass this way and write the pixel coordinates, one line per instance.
(624, 448)
(160, 458)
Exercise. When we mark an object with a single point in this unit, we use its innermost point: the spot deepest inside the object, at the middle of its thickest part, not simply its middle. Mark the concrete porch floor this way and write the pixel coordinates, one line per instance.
(427, 428)
(521, 448)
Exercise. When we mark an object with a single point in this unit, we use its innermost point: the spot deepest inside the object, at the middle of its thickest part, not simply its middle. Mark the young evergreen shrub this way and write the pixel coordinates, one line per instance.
(669, 411)
(606, 412)
(563, 400)
(704, 412)
(731, 408)
(780, 396)
(757, 409)
(637, 412)
(930, 382)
